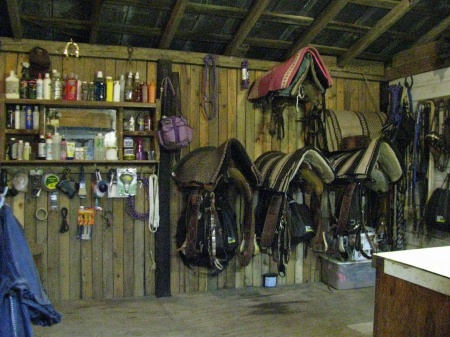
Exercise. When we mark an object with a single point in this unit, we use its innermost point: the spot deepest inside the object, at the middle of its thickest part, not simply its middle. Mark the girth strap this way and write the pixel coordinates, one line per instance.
(271, 221)
(195, 200)
(345, 208)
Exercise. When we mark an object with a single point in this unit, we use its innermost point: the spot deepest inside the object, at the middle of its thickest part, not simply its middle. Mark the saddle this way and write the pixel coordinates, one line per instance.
(203, 173)
(280, 171)
(303, 77)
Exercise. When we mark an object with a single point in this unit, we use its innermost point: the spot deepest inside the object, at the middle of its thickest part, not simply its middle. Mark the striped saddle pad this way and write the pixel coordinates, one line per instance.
(366, 164)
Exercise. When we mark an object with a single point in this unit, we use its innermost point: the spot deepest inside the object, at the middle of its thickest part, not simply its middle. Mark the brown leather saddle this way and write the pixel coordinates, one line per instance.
(200, 172)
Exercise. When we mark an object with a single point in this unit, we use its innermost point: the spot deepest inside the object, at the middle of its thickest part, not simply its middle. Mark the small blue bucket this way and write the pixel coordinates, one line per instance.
(270, 280)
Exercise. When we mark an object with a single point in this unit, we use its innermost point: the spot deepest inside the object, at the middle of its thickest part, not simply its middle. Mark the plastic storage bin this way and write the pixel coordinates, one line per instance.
(347, 275)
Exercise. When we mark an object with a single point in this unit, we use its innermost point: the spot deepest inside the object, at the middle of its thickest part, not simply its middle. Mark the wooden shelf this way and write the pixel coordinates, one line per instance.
(80, 104)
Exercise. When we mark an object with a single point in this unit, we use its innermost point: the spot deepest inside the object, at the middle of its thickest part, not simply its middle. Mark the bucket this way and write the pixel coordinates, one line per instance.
(270, 280)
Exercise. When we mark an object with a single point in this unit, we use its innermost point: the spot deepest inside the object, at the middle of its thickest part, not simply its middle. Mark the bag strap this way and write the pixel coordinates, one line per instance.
(166, 84)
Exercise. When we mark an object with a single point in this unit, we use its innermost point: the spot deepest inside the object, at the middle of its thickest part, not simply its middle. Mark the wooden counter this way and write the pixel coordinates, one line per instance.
(412, 293)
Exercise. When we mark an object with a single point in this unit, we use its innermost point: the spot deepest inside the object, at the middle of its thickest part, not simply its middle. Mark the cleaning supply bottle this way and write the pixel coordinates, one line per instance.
(109, 89)
(137, 88)
(63, 151)
(57, 86)
(24, 80)
(152, 92)
(99, 147)
(122, 87)
(36, 118)
(12, 86)
(41, 148)
(56, 142)
(49, 147)
(26, 151)
(100, 87)
(47, 86)
(128, 91)
(17, 114)
(39, 87)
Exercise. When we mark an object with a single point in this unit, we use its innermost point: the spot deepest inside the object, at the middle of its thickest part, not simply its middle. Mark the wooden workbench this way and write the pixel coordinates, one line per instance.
(412, 293)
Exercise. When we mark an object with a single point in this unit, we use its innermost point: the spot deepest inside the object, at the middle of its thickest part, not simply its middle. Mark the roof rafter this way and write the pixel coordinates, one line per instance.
(14, 18)
(252, 17)
(318, 25)
(95, 21)
(172, 24)
(380, 27)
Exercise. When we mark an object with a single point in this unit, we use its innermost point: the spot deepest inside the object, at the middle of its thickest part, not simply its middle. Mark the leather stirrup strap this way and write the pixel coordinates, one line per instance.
(271, 221)
(247, 247)
(195, 200)
(345, 208)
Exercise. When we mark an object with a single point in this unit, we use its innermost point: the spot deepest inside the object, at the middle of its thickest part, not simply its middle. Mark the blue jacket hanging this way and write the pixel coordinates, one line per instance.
(23, 297)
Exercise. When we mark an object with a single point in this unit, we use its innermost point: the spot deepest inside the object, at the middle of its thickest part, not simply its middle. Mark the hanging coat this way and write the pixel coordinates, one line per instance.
(23, 298)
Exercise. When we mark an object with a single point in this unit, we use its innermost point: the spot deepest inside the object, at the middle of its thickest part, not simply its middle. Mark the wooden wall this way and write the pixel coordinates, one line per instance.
(118, 262)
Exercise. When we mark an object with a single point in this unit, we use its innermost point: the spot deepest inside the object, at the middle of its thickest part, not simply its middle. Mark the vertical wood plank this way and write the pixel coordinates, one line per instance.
(118, 247)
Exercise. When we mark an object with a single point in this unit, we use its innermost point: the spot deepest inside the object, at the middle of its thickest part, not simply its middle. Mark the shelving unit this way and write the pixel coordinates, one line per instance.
(121, 108)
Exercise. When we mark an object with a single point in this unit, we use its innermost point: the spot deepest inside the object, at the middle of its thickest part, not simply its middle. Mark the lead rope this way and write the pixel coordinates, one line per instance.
(153, 197)
(210, 88)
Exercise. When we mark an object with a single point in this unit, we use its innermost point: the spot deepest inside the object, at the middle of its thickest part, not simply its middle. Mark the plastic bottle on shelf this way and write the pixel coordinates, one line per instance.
(152, 92)
(99, 147)
(63, 151)
(109, 89)
(28, 118)
(17, 114)
(26, 151)
(39, 87)
(140, 121)
(57, 86)
(116, 91)
(122, 87)
(32, 88)
(128, 91)
(36, 118)
(110, 146)
(47, 86)
(12, 84)
(23, 114)
(20, 150)
(49, 147)
(100, 87)
(140, 155)
(24, 80)
(71, 89)
(137, 88)
(56, 142)
(144, 92)
(12, 149)
(41, 148)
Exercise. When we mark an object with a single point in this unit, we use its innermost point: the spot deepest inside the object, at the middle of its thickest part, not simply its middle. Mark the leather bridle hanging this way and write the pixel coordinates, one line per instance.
(210, 88)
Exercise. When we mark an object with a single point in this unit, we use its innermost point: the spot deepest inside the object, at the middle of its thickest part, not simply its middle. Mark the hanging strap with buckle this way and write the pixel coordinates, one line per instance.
(210, 89)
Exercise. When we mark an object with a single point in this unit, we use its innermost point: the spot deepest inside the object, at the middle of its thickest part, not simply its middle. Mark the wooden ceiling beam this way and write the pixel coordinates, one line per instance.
(252, 17)
(319, 23)
(434, 32)
(172, 24)
(388, 4)
(95, 21)
(380, 27)
(14, 18)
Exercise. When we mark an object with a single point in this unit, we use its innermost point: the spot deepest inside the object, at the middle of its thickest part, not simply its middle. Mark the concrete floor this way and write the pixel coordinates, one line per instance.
(312, 310)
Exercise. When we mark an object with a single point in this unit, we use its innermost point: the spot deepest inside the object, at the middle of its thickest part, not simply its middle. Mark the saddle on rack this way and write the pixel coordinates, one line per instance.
(273, 214)
(207, 175)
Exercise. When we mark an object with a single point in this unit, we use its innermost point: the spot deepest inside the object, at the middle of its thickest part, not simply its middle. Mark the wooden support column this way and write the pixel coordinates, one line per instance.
(162, 235)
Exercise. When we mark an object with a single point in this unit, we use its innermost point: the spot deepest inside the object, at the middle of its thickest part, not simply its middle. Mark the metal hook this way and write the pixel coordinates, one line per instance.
(407, 85)
(130, 53)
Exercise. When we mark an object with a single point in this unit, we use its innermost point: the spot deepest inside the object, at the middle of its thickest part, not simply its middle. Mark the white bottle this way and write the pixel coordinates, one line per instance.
(122, 87)
(17, 117)
(12, 86)
(116, 94)
(20, 150)
(56, 143)
(49, 148)
(99, 147)
(39, 87)
(47, 86)
(26, 151)
(57, 87)
(36, 118)
(23, 117)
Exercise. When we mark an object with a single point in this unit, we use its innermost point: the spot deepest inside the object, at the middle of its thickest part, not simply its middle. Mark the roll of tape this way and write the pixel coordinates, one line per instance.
(41, 214)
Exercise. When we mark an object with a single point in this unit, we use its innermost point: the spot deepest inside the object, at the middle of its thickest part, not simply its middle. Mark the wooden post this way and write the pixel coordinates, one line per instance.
(162, 235)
